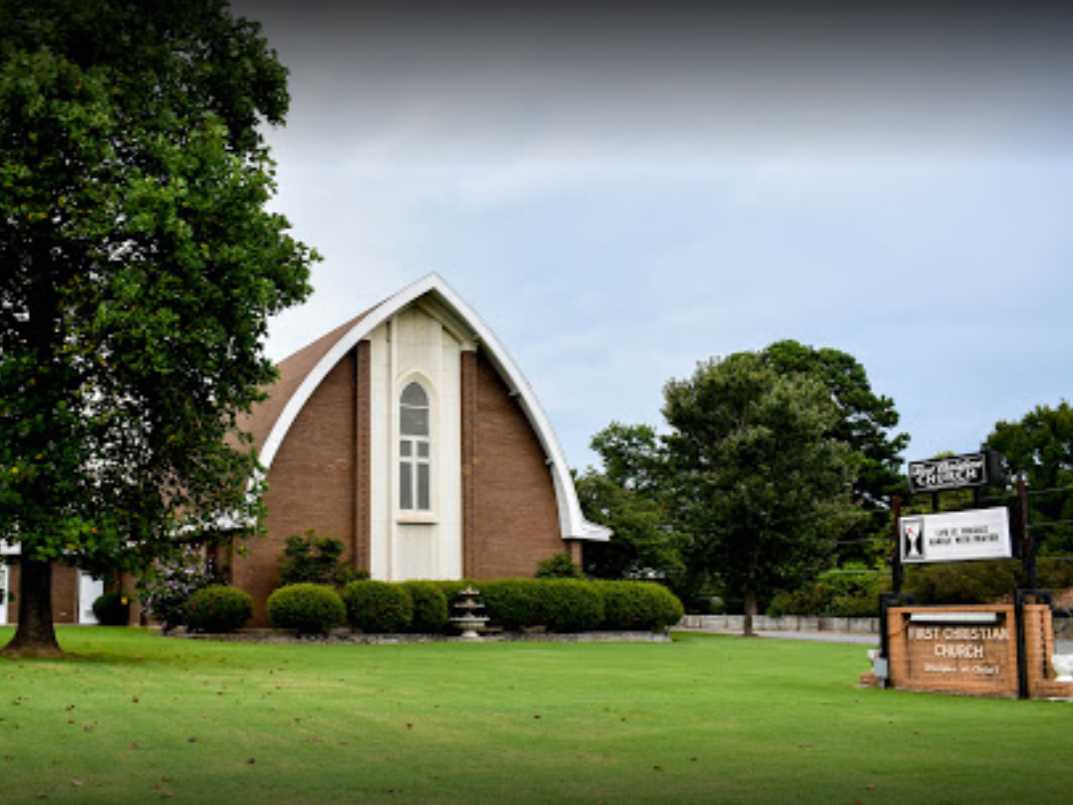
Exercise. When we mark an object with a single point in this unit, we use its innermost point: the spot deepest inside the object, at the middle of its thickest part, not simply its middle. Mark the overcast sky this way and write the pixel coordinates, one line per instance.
(622, 194)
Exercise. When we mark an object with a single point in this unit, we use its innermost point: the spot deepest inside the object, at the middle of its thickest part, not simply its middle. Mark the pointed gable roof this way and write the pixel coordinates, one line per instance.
(302, 372)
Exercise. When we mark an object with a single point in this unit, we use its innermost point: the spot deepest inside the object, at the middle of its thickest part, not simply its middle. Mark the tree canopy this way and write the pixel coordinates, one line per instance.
(627, 496)
(1039, 448)
(646, 489)
(759, 483)
(865, 422)
(140, 268)
(752, 485)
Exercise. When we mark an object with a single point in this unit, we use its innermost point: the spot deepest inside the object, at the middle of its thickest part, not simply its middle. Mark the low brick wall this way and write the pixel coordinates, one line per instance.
(784, 623)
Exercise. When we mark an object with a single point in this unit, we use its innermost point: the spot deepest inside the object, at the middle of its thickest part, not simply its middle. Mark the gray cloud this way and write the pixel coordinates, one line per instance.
(620, 196)
(452, 84)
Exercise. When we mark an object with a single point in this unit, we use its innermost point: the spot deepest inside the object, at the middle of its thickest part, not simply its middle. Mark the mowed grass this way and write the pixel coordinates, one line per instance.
(133, 717)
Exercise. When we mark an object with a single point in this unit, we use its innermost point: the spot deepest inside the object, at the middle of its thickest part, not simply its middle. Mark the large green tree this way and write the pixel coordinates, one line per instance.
(759, 483)
(1039, 448)
(139, 268)
(866, 423)
(627, 496)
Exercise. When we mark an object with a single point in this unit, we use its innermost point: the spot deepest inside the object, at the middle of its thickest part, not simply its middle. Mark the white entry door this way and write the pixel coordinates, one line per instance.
(89, 590)
(4, 576)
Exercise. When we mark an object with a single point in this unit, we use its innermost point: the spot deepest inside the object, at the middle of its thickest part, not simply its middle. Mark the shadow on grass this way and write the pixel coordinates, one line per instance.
(97, 646)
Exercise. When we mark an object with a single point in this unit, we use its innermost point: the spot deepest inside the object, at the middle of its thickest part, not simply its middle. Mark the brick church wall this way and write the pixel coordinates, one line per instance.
(64, 594)
(510, 514)
(310, 485)
(319, 479)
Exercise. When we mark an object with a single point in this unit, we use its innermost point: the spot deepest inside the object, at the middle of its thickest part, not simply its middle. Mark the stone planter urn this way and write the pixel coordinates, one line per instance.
(469, 620)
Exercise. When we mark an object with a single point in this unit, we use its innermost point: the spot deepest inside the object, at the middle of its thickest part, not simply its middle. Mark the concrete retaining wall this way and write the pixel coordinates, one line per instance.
(1063, 627)
(785, 623)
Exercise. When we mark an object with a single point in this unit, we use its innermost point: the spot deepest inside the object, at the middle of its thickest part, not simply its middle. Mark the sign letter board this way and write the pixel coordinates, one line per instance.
(954, 472)
(956, 536)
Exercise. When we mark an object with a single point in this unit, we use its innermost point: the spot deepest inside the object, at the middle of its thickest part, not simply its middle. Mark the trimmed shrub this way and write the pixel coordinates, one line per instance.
(452, 588)
(218, 608)
(344, 574)
(963, 582)
(638, 605)
(570, 605)
(513, 604)
(667, 609)
(560, 566)
(429, 607)
(378, 607)
(170, 583)
(112, 609)
(306, 608)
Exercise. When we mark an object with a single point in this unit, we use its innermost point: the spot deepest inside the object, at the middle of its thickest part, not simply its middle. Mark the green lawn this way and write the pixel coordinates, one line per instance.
(131, 717)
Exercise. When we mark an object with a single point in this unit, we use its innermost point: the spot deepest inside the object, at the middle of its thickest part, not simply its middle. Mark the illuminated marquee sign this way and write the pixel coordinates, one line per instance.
(956, 536)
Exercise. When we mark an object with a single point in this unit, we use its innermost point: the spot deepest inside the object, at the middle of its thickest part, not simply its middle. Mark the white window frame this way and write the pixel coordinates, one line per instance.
(414, 460)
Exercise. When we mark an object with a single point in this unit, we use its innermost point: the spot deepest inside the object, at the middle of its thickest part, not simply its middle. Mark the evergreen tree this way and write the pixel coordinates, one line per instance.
(760, 484)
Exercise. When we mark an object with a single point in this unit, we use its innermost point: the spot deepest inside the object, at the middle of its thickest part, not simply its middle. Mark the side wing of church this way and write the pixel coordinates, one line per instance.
(410, 434)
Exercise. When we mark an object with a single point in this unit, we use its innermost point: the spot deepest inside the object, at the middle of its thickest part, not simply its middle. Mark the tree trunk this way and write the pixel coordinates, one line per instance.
(750, 612)
(35, 635)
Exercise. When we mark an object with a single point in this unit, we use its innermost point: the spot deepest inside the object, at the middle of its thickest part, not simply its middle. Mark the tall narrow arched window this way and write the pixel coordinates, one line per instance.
(415, 450)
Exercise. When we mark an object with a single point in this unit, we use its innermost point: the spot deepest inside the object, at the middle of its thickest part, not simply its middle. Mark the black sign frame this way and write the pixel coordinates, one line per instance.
(963, 471)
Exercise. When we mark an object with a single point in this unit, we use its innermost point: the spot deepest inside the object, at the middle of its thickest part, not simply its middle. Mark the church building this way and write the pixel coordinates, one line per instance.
(410, 434)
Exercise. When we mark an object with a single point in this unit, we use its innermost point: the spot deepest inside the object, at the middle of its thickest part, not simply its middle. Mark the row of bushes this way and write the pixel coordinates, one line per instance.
(216, 608)
(855, 593)
(982, 582)
(841, 593)
(560, 605)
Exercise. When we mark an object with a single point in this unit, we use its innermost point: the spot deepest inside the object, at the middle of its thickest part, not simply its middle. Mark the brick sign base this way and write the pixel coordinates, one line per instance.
(948, 649)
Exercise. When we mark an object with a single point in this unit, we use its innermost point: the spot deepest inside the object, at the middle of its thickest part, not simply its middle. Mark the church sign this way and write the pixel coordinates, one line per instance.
(967, 649)
(998, 649)
(953, 472)
(956, 536)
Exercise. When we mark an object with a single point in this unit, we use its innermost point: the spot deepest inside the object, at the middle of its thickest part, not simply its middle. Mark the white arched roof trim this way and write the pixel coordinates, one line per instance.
(571, 522)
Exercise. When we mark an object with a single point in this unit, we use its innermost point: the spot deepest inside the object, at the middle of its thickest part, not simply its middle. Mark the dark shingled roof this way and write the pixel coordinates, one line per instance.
(292, 371)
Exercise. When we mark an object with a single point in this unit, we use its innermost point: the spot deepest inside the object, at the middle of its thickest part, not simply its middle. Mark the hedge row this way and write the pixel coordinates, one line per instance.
(560, 605)
(982, 582)
(856, 593)
(575, 605)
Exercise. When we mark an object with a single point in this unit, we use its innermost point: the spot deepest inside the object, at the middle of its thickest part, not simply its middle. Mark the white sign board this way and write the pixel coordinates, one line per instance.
(956, 536)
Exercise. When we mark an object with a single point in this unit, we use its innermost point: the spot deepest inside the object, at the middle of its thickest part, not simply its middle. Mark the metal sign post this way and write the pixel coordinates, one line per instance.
(1028, 544)
(964, 535)
(956, 472)
(896, 559)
